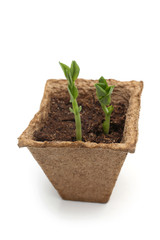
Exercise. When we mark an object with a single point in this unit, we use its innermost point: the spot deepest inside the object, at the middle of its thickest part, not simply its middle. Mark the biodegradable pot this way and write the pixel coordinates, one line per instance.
(85, 171)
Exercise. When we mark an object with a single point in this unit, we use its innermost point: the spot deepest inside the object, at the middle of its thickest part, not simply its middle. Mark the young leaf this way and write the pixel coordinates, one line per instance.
(74, 92)
(105, 100)
(110, 90)
(71, 110)
(74, 70)
(100, 91)
(102, 85)
(103, 80)
(110, 109)
(70, 93)
(65, 69)
(79, 109)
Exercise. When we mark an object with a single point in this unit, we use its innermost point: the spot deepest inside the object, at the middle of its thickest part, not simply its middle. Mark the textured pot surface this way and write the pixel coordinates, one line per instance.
(85, 171)
(81, 174)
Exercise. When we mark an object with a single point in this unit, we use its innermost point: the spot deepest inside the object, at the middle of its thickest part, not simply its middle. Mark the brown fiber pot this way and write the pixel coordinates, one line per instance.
(85, 171)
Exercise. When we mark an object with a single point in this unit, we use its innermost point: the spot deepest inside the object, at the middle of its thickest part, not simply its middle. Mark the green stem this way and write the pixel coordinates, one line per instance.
(106, 124)
(77, 120)
(78, 127)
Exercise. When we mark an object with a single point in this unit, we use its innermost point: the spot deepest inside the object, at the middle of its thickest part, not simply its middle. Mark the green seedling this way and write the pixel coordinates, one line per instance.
(71, 74)
(104, 96)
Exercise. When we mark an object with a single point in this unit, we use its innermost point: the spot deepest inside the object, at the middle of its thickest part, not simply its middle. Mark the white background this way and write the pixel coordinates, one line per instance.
(116, 39)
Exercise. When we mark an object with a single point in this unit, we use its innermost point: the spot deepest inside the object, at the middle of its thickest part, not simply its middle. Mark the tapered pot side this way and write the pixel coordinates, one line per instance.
(84, 171)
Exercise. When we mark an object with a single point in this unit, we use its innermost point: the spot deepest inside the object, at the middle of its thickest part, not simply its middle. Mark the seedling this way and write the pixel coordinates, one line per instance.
(71, 74)
(104, 96)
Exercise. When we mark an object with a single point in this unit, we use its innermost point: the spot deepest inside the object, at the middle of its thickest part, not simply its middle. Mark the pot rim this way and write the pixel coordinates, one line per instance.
(130, 134)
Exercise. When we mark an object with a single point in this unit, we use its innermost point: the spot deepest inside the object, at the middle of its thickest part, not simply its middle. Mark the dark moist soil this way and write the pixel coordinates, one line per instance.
(60, 124)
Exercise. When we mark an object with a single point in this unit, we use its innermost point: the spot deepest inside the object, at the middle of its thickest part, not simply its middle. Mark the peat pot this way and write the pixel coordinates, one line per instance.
(84, 171)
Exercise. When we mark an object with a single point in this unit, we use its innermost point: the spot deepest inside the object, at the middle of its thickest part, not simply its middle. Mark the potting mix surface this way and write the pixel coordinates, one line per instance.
(60, 124)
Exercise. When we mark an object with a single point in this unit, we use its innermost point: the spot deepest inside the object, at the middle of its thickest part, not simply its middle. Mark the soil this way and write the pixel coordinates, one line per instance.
(60, 124)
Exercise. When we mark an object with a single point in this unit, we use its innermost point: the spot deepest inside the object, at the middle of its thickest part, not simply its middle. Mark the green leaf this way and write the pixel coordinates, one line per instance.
(105, 100)
(74, 92)
(70, 93)
(69, 78)
(103, 80)
(110, 109)
(74, 70)
(100, 91)
(71, 110)
(65, 69)
(79, 109)
(110, 90)
(102, 85)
